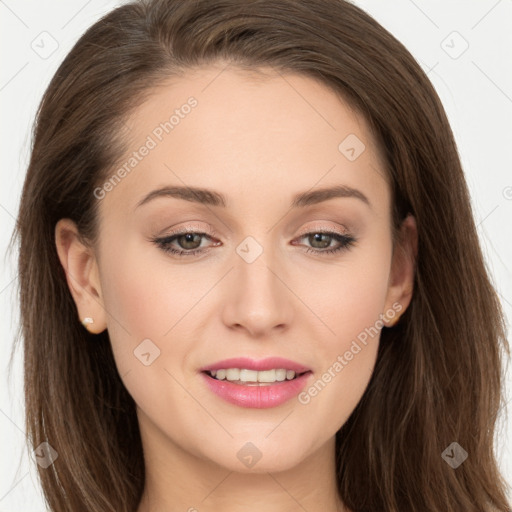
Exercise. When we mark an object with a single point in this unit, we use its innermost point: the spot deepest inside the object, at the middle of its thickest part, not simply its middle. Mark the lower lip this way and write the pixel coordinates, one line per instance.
(257, 397)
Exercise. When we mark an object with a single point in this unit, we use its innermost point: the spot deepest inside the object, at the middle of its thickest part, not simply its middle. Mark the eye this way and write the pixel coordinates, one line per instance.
(321, 241)
(189, 242)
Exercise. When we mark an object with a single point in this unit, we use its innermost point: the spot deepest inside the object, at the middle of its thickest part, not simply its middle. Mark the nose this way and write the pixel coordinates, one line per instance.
(257, 299)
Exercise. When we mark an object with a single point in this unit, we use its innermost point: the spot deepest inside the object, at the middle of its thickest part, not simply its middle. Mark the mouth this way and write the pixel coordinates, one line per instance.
(248, 377)
(262, 384)
(256, 389)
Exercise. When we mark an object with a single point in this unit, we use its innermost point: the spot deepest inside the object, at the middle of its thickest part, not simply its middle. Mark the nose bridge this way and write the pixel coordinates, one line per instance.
(256, 297)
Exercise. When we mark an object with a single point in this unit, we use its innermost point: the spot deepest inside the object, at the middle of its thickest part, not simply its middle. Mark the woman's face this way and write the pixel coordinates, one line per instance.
(257, 278)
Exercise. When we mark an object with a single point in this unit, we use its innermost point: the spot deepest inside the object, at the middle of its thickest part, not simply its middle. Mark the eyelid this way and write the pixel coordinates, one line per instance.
(189, 229)
(324, 228)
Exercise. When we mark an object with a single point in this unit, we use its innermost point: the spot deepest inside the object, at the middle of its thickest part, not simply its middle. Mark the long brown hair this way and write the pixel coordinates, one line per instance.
(438, 376)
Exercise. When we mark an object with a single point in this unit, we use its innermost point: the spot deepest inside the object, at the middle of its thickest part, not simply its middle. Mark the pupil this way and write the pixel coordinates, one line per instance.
(189, 238)
(317, 237)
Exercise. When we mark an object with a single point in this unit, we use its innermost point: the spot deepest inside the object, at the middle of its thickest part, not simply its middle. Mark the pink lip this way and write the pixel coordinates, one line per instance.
(257, 397)
(251, 364)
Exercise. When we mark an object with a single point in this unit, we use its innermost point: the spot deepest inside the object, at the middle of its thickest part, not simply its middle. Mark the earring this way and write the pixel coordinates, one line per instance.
(87, 321)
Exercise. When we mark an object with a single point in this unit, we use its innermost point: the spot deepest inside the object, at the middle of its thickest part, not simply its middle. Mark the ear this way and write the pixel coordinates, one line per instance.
(401, 278)
(80, 266)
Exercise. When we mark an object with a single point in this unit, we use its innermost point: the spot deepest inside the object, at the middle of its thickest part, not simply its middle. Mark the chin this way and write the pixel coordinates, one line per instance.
(260, 456)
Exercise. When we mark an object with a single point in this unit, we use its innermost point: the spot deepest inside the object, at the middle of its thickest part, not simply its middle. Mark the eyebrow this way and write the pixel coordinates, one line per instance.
(213, 198)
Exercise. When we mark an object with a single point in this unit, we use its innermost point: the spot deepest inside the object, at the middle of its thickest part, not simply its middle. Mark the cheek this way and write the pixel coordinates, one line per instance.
(145, 298)
(146, 291)
(354, 293)
(352, 309)
(146, 303)
(360, 300)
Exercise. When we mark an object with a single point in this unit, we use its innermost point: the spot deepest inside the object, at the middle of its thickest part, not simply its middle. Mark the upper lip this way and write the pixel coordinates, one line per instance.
(268, 363)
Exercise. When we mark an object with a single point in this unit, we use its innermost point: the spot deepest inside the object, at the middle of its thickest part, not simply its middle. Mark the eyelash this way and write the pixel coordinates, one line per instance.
(346, 242)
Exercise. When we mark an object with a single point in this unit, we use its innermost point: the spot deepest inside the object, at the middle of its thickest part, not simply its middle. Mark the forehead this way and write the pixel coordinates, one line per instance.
(261, 131)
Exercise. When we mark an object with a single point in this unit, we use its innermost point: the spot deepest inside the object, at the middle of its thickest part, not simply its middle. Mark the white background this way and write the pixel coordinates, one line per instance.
(475, 88)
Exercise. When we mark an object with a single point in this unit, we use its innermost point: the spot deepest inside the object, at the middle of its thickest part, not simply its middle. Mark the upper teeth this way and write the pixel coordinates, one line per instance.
(244, 375)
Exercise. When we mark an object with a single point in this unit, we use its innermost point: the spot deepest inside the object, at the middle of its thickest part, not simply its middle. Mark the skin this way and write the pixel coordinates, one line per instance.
(259, 141)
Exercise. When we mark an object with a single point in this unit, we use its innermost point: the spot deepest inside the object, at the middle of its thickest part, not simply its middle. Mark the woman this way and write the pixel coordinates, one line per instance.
(249, 273)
